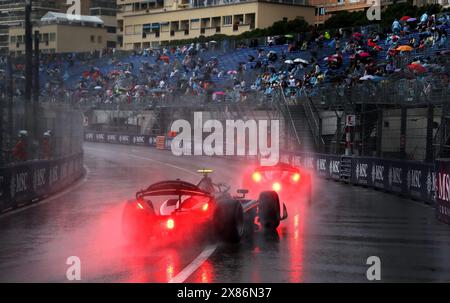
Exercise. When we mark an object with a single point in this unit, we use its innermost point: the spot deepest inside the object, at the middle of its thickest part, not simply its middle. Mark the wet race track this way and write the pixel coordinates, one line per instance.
(328, 241)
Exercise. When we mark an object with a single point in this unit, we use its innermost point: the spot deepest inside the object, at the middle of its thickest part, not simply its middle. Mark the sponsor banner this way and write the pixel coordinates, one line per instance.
(396, 177)
(125, 139)
(323, 166)
(334, 163)
(442, 183)
(22, 183)
(420, 181)
(379, 174)
(361, 171)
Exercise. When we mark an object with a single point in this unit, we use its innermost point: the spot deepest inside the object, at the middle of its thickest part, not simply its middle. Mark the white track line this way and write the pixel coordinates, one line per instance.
(51, 198)
(194, 265)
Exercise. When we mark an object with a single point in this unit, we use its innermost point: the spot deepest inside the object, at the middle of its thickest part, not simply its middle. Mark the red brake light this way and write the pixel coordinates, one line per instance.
(256, 177)
(276, 186)
(205, 207)
(170, 224)
(139, 205)
(296, 177)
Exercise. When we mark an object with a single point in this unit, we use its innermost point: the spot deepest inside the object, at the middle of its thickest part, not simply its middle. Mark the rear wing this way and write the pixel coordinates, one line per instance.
(176, 188)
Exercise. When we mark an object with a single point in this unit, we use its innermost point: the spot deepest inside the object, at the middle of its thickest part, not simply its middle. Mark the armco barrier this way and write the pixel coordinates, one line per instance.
(22, 183)
(417, 180)
(409, 178)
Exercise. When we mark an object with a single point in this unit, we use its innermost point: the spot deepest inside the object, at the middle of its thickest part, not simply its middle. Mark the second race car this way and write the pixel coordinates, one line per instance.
(285, 179)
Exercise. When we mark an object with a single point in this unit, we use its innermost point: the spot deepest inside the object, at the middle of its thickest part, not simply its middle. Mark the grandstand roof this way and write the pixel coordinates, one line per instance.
(54, 17)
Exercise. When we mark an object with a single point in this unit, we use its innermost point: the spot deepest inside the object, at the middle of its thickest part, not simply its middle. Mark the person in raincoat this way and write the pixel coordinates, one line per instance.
(423, 19)
(19, 151)
(46, 145)
(396, 27)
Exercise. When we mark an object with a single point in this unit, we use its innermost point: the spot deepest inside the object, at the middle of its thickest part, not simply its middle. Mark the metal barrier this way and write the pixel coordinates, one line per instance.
(21, 184)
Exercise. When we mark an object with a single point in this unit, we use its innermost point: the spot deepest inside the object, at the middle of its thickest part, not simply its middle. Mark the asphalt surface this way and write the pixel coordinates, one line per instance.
(328, 241)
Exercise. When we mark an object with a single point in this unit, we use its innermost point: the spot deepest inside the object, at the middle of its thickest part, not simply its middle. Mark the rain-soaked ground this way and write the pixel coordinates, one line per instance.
(328, 241)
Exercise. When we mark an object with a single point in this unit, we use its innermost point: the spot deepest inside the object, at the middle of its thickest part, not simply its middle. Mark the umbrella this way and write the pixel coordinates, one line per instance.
(219, 93)
(371, 77)
(330, 58)
(213, 41)
(357, 35)
(418, 68)
(404, 48)
(405, 18)
(164, 58)
(288, 62)
(411, 20)
(232, 72)
(367, 77)
(364, 54)
(300, 60)
(289, 36)
(98, 87)
(394, 37)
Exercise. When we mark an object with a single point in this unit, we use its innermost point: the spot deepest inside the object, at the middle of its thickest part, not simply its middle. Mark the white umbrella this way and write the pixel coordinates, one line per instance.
(367, 77)
(289, 62)
(98, 88)
(300, 60)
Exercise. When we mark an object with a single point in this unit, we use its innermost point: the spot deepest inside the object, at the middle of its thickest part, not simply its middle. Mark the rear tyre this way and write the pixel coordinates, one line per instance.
(229, 221)
(269, 210)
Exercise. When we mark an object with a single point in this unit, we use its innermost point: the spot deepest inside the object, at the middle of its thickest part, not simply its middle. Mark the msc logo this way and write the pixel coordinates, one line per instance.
(124, 139)
(321, 164)
(361, 170)
(377, 173)
(111, 138)
(414, 178)
(334, 167)
(138, 140)
(374, 12)
(395, 175)
(38, 178)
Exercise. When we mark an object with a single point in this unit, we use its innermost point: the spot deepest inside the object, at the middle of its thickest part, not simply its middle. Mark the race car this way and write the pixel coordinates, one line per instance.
(285, 179)
(186, 208)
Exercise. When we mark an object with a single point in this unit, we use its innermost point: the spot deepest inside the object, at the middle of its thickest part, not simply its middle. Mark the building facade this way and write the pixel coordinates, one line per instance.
(61, 33)
(326, 8)
(107, 11)
(12, 13)
(144, 23)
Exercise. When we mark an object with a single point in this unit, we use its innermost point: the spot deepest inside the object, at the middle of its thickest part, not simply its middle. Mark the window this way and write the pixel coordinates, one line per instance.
(92, 38)
(13, 39)
(99, 39)
(52, 36)
(227, 20)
